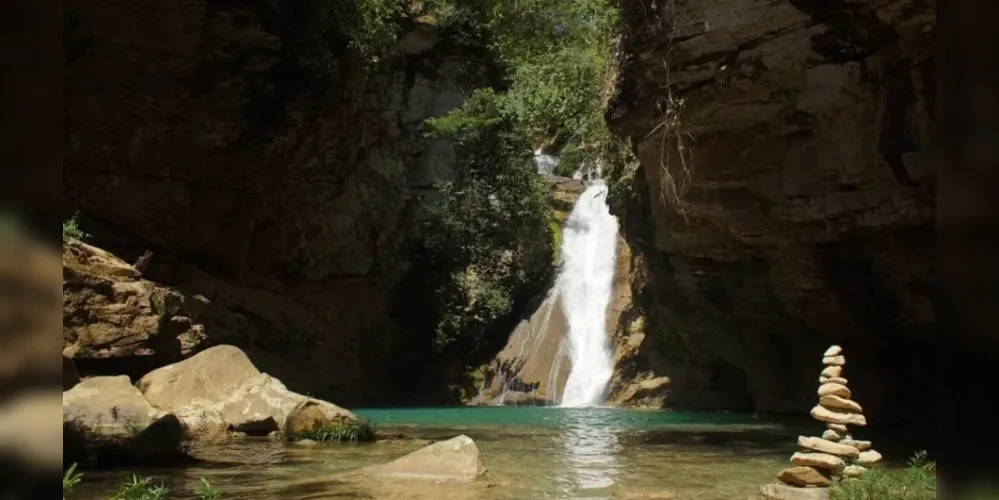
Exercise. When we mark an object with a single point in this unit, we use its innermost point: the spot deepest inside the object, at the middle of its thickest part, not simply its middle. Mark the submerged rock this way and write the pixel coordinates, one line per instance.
(456, 459)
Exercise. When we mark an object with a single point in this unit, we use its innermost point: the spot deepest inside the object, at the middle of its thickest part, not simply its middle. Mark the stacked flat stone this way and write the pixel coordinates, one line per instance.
(835, 455)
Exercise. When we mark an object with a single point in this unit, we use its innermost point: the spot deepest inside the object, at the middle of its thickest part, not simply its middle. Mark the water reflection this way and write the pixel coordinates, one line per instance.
(590, 460)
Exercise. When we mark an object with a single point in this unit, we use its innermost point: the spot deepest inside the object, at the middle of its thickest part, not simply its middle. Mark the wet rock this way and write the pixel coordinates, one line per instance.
(830, 447)
(835, 402)
(305, 442)
(804, 476)
(834, 360)
(776, 491)
(824, 414)
(834, 389)
(868, 457)
(456, 459)
(822, 461)
(110, 413)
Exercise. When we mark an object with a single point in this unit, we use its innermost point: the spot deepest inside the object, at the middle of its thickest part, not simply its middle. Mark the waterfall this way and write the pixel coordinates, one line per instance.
(589, 242)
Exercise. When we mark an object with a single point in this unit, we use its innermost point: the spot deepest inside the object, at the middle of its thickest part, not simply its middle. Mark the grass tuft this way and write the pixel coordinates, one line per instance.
(70, 479)
(918, 481)
(347, 431)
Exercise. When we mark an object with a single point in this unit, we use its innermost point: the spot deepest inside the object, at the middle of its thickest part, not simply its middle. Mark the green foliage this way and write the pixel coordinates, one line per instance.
(207, 492)
(71, 229)
(347, 431)
(140, 488)
(559, 56)
(486, 235)
(916, 482)
(70, 478)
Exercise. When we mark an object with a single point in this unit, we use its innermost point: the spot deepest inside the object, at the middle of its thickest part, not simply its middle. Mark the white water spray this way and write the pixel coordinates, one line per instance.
(589, 241)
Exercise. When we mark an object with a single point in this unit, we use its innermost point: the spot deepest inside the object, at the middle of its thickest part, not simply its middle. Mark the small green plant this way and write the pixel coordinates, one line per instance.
(70, 479)
(140, 488)
(71, 229)
(206, 491)
(350, 431)
(918, 481)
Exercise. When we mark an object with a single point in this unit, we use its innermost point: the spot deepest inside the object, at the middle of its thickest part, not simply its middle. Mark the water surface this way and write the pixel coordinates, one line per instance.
(530, 453)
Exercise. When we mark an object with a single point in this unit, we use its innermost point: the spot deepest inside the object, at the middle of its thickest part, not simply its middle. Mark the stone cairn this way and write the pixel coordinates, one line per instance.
(835, 455)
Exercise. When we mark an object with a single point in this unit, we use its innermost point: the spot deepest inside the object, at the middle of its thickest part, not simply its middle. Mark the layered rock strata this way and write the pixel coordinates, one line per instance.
(836, 454)
(796, 134)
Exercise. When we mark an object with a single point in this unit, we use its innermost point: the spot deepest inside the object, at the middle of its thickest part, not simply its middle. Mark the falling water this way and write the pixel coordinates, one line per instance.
(588, 244)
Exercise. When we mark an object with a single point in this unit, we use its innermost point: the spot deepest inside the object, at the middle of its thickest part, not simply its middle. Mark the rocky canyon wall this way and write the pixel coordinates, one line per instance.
(783, 202)
(284, 201)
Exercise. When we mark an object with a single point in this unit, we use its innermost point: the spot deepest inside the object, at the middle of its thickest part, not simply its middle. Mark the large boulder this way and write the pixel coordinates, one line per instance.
(456, 459)
(111, 414)
(264, 404)
(220, 387)
(206, 378)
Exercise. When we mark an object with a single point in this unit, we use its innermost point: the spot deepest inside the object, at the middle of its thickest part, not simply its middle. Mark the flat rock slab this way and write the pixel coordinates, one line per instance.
(804, 476)
(827, 415)
(856, 443)
(777, 491)
(456, 459)
(833, 389)
(837, 403)
(833, 350)
(834, 360)
(822, 461)
(830, 447)
(833, 380)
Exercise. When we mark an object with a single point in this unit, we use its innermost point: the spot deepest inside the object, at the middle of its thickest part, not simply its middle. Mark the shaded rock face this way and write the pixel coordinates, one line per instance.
(798, 132)
(115, 322)
(287, 202)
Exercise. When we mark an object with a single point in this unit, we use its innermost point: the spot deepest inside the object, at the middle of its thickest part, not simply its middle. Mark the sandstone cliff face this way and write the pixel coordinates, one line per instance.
(799, 133)
(288, 205)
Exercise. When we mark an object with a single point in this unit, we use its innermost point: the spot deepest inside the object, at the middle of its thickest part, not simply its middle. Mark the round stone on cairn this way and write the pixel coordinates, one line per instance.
(835, 455)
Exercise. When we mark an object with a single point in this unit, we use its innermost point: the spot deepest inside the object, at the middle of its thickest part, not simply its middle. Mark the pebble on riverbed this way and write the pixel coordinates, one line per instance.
(835, 455)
